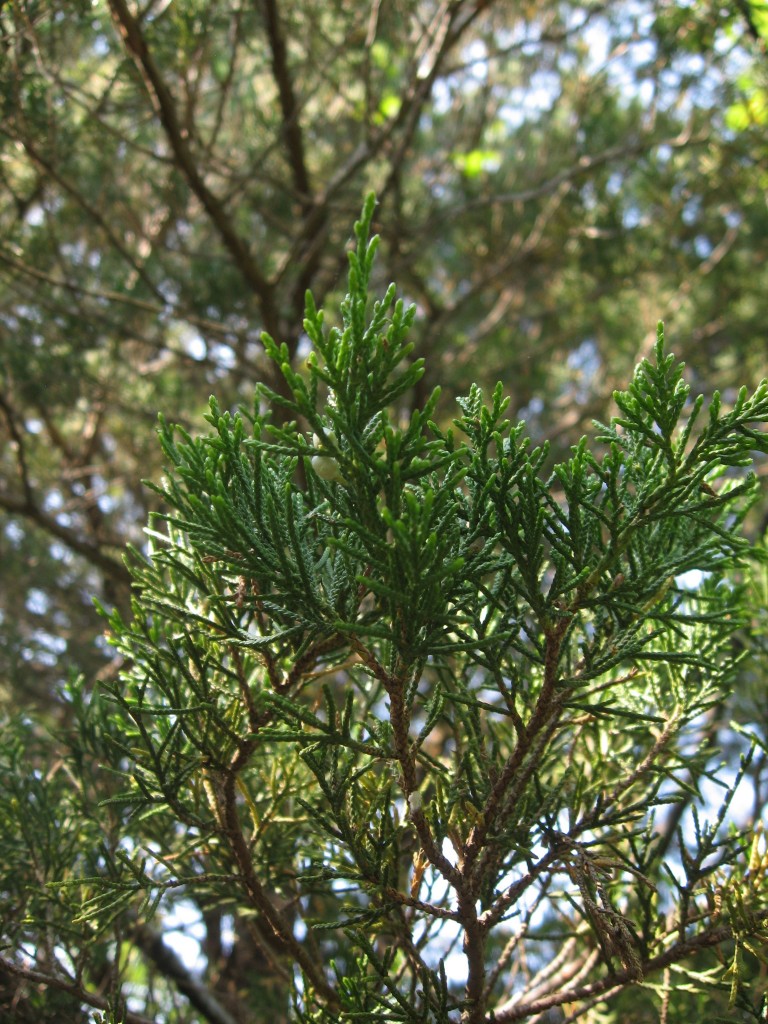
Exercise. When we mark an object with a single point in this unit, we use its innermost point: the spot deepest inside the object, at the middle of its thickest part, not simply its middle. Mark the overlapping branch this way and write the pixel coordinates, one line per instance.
(178, 139)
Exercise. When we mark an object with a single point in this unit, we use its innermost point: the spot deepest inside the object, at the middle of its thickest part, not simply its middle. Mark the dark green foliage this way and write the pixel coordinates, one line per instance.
(552, 178)
(394, 690)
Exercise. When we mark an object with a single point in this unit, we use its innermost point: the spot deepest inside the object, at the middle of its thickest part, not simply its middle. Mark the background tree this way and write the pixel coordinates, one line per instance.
(552, 180)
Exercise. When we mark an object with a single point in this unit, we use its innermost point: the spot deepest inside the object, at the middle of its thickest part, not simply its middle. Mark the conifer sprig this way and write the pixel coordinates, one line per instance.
(428, 691)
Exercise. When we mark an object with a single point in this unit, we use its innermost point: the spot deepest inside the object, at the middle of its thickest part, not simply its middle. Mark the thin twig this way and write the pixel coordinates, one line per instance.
(506, 1013)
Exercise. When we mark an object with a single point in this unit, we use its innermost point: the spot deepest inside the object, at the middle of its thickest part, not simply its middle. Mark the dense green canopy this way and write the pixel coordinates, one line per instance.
(552, 179)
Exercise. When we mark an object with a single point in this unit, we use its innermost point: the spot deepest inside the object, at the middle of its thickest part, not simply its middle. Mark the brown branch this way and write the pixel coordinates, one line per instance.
(370, 39)
(569, 966)
(474, 951)
(431, 909)
(72, 988)
(233, 43)
(92, 553)
(224, 794)
(406, 761)
(449, 24)
(434, 51)
(17, 440)
(622, 978)
(165, 108)
(314, 228)
(291, 127)
(542, 720)
(170, 966)
(458, 877)
(308, 247)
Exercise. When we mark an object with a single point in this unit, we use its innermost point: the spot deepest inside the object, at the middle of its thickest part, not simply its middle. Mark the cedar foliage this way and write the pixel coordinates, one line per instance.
(415, 708)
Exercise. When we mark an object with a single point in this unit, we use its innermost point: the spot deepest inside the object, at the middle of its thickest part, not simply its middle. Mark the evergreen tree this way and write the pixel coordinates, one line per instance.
(405, 714)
